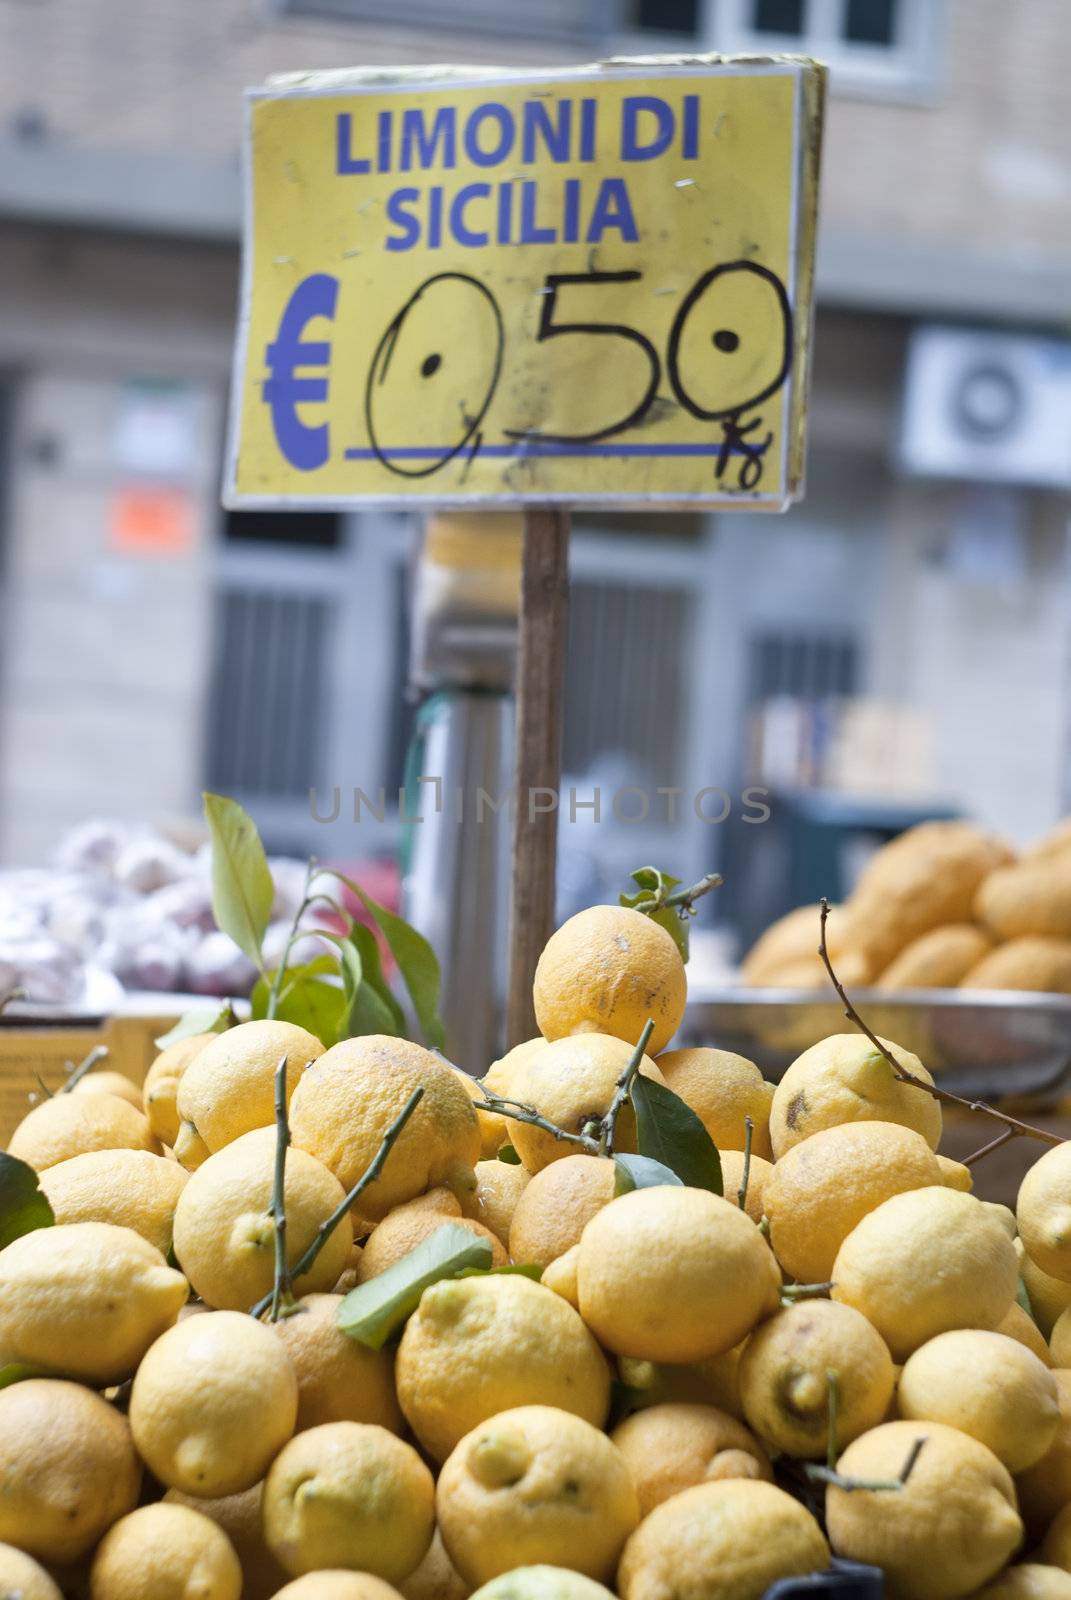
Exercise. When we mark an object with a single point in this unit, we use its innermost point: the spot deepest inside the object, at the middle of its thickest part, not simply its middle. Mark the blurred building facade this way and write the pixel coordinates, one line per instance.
(151, 645)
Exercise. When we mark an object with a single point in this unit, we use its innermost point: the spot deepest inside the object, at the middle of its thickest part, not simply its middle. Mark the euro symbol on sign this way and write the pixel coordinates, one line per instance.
(304, 447)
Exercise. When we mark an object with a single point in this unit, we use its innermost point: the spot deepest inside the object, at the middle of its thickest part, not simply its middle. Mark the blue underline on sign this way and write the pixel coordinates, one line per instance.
(547, 447)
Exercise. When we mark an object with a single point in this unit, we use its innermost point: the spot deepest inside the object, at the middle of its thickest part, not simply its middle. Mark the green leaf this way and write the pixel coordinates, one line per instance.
(654, 886)
(23, 1207)
(675, 925)
(305, 999)
(370, 1006)
(19, 1371)
(640, 1172)
(242, 890)
(670, 1132)
(417, 964)
(202, 1019)
(507, 1154)
(374, 1310)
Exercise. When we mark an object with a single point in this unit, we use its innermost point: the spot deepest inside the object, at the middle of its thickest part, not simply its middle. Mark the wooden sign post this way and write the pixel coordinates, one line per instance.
(485, 290)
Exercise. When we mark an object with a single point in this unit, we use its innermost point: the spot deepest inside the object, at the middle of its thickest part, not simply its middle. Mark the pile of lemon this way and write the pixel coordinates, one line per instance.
(848, 1320)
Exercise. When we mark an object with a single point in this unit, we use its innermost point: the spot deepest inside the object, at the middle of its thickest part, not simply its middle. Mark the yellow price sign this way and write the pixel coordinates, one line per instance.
(581, 287)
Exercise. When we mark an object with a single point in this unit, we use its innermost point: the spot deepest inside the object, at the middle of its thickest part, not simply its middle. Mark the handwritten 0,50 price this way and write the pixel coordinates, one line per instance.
(728, 350)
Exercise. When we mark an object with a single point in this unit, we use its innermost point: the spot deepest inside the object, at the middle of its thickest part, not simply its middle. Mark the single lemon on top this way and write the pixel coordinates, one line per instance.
(784, 1377)
(722, 1089)
(339, 1380)
(557, 1205)
(407, 1226)
(168, 1552)
(721, 1541)
(571, 1084)
(845, 1079)
(228, 1088)
(477, 1346)
(348, 1099)
(67, 1466)
(674, 1274)
(22, 1579)
(950, 1528)
(988, 1386)
(349, 1495)
(129, 1188)
(925, 1262)
(821, 1187)
(159, 1092)
(70, 1124)
(531, 1486)
(1043, 1212)
(85, 1299)
(674, 1446)
(607, 970)
(225, 1234)
(213, 1402)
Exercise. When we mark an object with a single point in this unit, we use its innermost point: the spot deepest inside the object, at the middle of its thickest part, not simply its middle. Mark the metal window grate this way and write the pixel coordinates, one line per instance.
(626, 678)
(267, 696)
(807, 666)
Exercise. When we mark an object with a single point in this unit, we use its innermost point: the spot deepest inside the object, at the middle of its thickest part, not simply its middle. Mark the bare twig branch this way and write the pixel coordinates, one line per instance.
(684, 900)
(280, 1293)
(994, 1144)
(622, 1090)
(741, 1193)
(78, 1073)
(791, 1292)
(818, 1474)
(944, 1095)
(832, 1449)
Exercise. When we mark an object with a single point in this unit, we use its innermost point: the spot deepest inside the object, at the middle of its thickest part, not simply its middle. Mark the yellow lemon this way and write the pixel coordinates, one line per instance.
(845, 1079)
(67, 1468)
(477, 1346)
(1017, 1324)
(499, 1185)
(721, 1541)
(1029, 1581)
(542, 1583)
(338, 1379)
(1060, 1343)
(561, 1276)
(821, 1187)
(22, 1578)
(160, 1090)
(116, 1083)
(225, 1234)
(535, 1486)
(1048, 1296)
(129, 1188)
(239, 1517)
(557, 1205)
(607, 970)
(501, 1079)
(1046, 1486)
(408, 1225)
(213, 1402)
(988, 1386)
(228, 1088)
(436, 1578)
(672, 1447)
(70, 1124)
(950, 1528)
(674, 1274)
(784, 1377)
(338, 1585)
(168, 1552)
(351, 1495)
(722, 1089)
(925, 1262)
(494, 1128)
(1043, 1212)
(349, 1098)
(571, 1084)
(957, 1176)
(714, 1382)
(85, 1299)
(732, 1176)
